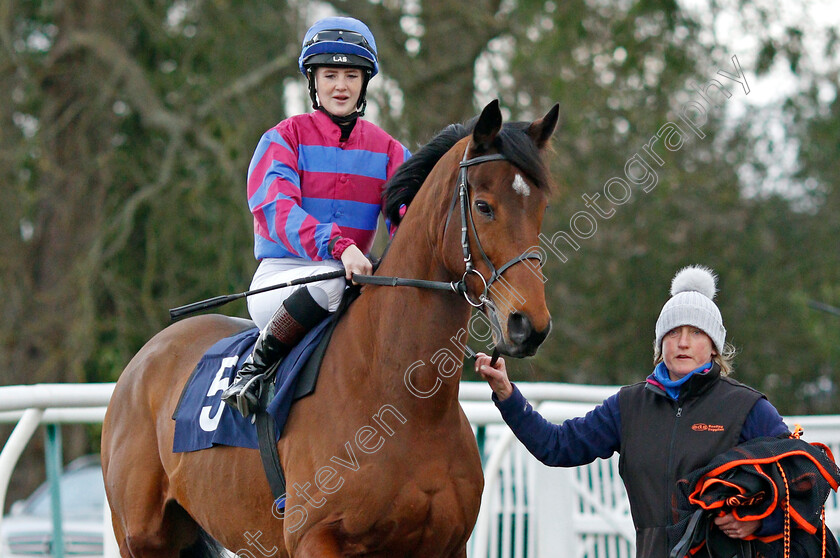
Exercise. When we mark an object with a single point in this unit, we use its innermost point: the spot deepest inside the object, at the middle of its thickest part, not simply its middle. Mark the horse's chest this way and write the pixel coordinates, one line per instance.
(420, 520)
(433, 505)
(399, 494)
(426, 509)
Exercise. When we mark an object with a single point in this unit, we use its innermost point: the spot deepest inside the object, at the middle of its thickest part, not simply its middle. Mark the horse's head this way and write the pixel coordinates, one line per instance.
(482, 191)
(503, 186)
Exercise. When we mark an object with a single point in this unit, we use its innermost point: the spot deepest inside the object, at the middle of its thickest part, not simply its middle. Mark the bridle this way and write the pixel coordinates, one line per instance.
(468, 225)
(462, 195)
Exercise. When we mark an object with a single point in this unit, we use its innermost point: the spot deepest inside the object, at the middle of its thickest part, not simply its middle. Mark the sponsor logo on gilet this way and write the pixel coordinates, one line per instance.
(701, 427)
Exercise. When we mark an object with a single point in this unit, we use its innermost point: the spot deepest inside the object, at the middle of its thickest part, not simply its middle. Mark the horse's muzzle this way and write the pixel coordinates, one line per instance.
(523, 339)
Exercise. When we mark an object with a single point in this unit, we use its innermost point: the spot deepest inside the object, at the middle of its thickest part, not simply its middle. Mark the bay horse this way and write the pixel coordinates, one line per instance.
(380, 460)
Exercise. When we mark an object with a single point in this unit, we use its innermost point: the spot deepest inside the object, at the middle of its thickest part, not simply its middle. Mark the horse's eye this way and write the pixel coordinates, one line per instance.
(484, 208)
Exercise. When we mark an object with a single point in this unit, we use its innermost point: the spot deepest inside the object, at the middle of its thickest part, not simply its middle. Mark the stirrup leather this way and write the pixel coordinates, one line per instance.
(289, 324)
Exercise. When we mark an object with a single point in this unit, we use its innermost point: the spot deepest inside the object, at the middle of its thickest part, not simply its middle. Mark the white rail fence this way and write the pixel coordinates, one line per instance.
(527, 509)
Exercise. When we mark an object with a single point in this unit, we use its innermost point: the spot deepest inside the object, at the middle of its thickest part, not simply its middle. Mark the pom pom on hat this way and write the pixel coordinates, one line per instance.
(695, 278)
(692, 291)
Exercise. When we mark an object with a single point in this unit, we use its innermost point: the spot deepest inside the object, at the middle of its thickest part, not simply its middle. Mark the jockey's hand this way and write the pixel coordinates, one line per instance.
(735, 529)
(496, 376)
(355, 262)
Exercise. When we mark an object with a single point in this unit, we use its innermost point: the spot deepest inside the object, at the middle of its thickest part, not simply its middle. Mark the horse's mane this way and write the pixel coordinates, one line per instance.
(512, 141)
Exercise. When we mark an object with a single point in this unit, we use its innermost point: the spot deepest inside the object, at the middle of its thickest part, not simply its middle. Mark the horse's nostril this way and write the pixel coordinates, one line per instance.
(519, 328)
(524, 339)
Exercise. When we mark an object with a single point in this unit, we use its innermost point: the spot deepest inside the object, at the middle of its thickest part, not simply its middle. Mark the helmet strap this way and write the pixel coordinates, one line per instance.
(361, 105)
(310, 76)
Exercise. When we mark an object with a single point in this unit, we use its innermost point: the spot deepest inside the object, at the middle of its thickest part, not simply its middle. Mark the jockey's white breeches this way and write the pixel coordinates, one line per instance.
(272, 271)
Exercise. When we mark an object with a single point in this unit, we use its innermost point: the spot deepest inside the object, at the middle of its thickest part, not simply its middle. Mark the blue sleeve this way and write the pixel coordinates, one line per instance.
(577, 441)
(765, 420)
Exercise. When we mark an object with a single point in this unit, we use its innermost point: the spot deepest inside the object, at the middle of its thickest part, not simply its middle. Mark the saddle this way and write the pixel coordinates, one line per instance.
(266, 432)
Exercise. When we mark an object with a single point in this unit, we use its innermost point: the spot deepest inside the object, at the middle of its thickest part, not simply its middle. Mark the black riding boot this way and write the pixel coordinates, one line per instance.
(296, 316)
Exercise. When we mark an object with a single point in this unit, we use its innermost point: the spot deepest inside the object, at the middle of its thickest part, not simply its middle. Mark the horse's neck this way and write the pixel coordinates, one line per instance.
(418, 334)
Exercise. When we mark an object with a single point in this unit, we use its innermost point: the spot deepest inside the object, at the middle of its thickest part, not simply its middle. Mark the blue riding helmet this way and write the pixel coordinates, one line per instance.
(339, 41)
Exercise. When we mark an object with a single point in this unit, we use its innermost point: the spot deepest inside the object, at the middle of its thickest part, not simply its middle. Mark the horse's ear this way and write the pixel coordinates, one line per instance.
(488, 126)
(541, 130)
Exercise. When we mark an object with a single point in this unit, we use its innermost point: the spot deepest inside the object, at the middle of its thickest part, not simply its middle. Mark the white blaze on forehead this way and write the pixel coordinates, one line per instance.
(520, 186)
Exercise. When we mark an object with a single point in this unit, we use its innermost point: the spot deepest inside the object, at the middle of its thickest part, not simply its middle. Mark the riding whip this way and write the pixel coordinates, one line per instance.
(187, 309)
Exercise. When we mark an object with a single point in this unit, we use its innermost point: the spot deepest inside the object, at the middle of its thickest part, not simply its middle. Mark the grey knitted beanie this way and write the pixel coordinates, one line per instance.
(692, 291)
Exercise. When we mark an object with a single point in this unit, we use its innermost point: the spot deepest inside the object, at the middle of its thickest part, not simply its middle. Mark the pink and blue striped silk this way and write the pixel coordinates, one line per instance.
(305, 187)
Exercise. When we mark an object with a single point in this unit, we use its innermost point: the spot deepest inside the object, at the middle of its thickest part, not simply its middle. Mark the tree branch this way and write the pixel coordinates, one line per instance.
(250, 81)
(137, 88)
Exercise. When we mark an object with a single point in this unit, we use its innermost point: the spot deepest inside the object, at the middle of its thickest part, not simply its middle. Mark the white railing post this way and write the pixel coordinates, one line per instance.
(553, 532)
(15, 445)
(482, 525)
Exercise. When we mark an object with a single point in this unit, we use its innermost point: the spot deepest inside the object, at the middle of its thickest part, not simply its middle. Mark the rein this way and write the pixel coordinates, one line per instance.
(387, 281)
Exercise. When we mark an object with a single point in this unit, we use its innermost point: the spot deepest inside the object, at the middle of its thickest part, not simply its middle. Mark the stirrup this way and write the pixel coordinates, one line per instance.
(246, 398)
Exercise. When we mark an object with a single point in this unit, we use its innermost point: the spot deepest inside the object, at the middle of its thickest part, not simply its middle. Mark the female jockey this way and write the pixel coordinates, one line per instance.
(315, 186)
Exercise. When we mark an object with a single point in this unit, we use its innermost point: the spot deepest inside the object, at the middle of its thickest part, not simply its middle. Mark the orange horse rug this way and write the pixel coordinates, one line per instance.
(778, 480)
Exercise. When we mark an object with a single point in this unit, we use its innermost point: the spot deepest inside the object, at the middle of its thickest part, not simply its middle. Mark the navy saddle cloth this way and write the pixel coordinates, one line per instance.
(202, 420)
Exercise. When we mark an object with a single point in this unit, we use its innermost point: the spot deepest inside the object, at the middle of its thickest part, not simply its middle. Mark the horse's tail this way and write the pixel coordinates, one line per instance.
(204, 546)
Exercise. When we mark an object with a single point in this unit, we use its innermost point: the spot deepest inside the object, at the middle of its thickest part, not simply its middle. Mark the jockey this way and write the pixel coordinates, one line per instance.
(315, 188)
